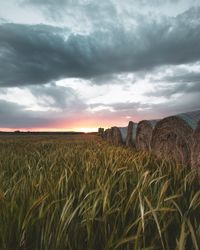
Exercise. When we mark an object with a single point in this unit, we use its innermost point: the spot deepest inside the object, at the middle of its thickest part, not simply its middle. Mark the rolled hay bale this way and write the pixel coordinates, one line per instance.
(131, 134)
(119, 135)
(116, 136)
(101, 132)
(110, 135)
(123, 132)
(107, 135)
(172, 137)
(144, 134)
(195, 154)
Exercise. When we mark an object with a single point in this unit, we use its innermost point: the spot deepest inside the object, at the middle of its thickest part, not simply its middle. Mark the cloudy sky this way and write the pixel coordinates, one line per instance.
(81, 64)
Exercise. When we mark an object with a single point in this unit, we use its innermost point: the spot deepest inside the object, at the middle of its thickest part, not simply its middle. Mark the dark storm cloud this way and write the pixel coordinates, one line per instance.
(29, 53)
(39, 54)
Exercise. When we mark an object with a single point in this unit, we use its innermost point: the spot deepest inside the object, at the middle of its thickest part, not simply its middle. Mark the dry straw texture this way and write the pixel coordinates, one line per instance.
(144, 134)
(196, 148)
(116, 136)
(172, 137)
(106, 134)
(131, 134)
(101, 132)
(110, 135)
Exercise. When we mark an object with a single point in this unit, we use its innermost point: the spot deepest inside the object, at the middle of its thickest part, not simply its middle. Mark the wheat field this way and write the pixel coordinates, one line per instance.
(78, 192)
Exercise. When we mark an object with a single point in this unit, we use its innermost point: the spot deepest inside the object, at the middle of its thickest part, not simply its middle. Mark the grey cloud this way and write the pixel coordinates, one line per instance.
(53, 9)
(181, 82)
(62, 5)
(122, 108)
(168, 91)
(64, 98)
(187, 77)
(186, 103)
(2, 20)
(60, 103)
(14, 116)
(138, 111)
(75, 13)
(39, 54)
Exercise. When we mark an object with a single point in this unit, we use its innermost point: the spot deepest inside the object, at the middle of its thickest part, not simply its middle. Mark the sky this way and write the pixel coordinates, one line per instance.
(82, 64)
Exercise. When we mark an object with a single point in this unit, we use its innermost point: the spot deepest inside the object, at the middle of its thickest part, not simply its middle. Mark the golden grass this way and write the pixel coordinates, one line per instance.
(78, 192)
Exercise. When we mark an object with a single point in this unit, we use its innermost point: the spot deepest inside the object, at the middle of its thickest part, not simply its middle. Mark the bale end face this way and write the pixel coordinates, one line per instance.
(123, 132)
(131, 134)
(143, 136)
(101, 132)
(109, 135)
(172, 139)
(116, 136)
(106, 134)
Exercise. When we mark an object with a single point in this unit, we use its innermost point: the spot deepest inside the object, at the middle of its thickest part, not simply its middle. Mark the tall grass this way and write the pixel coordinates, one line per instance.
(80, 193)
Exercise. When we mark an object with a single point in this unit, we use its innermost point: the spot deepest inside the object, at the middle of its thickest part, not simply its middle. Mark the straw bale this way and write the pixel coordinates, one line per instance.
(172, 137)
(101, 132)
(131, 134)
(123, 132)
(144, 134)
(116, 136)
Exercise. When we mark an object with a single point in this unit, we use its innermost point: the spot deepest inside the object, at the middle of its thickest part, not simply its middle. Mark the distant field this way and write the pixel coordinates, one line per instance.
(77, 192)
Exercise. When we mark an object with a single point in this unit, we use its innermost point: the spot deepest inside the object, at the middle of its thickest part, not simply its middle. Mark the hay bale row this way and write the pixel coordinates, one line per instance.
(174, 138)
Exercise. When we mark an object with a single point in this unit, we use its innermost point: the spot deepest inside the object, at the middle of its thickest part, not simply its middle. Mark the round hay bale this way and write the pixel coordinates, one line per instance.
(123, 132)
(116, 136)
(110, 135)
(131, 134)
(105, 134)
(144, 134)
(101, 132)
(195, 157)
(172, 137)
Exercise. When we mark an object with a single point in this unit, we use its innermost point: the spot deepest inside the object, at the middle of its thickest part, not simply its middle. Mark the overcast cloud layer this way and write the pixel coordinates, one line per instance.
(82, 64)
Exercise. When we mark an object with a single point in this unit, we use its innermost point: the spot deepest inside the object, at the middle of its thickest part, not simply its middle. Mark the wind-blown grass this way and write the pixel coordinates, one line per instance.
(80, 193)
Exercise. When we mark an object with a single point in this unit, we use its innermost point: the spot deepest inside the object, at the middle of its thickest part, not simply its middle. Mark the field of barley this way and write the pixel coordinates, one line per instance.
(77, 192)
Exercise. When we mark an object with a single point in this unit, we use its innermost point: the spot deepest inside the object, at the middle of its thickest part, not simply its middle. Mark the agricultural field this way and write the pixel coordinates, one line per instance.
(78, 192)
